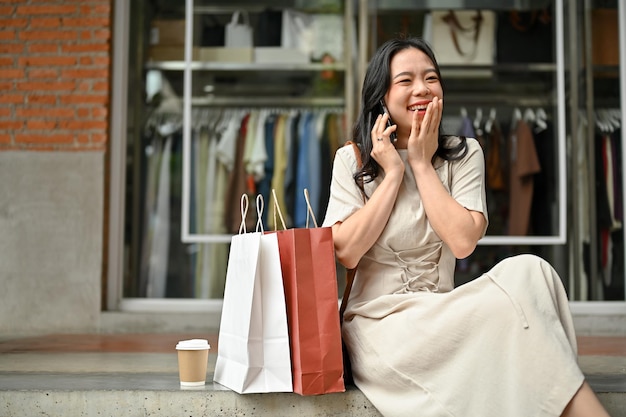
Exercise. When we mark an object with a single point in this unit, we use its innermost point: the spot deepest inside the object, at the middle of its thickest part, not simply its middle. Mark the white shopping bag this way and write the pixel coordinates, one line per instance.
(237, 34)
(253, 352)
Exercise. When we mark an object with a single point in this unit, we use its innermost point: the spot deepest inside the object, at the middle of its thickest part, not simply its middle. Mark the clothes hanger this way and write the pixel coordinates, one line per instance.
(602, 122)
(541, 118)
(616, 118)
(529, 115)
(517, 116)
(491, 120)
(479, 117)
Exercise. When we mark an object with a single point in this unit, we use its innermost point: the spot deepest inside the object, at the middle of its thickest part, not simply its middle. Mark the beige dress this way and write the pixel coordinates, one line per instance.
(501, 345)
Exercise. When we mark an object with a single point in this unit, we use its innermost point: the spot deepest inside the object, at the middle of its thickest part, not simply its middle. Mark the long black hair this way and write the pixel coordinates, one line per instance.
(375, 85)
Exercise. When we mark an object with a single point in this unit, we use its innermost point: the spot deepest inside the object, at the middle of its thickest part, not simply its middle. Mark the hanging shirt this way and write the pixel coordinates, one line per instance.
(237, 185)
(265, 182)
(280, 164)
(524, 164)
(308, 157)
(493, 164)
(292, 144)
(227, 145)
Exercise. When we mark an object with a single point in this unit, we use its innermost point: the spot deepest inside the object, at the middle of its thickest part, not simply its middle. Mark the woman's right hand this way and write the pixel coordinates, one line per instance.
(355, 236)
(423, 141)
(383, 151)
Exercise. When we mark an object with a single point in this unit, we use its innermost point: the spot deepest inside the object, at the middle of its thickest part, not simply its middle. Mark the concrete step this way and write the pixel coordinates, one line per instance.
(160, 395)
(137, 375)
(157, 394)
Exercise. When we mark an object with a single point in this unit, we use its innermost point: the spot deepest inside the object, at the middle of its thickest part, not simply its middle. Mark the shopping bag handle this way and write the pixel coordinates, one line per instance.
(309, 212)
(277, 209)
(260, 205)
(309, 209)
(244, 212)
(234, 20)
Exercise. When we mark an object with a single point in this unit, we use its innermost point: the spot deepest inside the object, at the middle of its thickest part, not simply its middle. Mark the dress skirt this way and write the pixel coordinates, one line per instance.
(502, 345)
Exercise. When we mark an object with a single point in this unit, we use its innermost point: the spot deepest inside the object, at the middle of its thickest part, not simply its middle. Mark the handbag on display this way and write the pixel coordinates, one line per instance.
(525, 36)
(253, 350)
(307, 257)
(463, 37)
(212, 31)
(268, 31)
(239, 34)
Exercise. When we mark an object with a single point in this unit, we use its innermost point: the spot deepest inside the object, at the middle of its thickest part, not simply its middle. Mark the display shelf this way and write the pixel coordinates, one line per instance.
(268, 101)
(515, 68)
(461, 4)
(228, 66)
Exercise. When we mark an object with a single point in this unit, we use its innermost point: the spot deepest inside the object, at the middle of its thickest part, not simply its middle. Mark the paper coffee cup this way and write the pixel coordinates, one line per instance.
(193, 356)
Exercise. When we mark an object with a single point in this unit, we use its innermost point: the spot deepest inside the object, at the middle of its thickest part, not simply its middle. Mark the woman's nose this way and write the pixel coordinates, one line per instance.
(421, 89)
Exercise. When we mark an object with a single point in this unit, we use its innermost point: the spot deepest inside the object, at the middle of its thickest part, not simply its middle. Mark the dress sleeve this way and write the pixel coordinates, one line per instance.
(468, 182)
(345, 195)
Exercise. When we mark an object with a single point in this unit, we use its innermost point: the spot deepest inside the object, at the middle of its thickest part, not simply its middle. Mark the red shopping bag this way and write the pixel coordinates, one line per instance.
(307, 257)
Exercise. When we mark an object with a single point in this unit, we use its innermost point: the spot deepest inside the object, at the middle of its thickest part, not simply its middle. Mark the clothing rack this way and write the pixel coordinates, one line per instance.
(494, 99)
(213, 101)
(608, 119)
(482, 120)
(600, 122)
(216, 118)
(205, 116)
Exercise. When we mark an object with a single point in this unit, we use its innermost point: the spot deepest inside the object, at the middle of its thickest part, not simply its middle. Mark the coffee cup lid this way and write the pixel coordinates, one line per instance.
(193, 344)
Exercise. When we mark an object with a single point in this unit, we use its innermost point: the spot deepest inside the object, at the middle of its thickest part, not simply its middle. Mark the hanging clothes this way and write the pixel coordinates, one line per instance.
(293, 149)
(308, 157)
(153, 195)
(583, 204)
(497, 178)
(180, 270)
(233, 151)
(610, 215)
(466, 128)
(544, 201)
(494, 157)
(524, 163)
(238, 184)
(210, 184)
(264, 183)
(280, 162)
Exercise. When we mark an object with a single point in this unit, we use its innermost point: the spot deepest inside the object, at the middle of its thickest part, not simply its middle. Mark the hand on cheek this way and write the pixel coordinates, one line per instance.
(423, 140)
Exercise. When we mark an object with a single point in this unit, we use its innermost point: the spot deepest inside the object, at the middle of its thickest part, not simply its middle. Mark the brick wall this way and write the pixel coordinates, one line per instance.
(54, 74)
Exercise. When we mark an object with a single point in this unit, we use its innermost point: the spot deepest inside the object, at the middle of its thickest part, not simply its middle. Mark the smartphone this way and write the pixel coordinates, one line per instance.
(393, 136)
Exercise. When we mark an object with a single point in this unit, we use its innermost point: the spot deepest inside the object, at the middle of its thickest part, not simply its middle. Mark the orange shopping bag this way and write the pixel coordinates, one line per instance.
(307, 257)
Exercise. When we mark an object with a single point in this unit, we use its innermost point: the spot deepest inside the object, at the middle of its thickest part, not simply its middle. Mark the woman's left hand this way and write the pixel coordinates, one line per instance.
(423, 140)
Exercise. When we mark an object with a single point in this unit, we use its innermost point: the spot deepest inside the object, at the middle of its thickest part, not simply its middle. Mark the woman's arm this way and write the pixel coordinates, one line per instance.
(457, 226)
(356, 235)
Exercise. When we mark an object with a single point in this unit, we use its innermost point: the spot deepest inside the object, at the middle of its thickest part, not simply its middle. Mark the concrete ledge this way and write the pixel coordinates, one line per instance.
(160, 395)
(193, 404)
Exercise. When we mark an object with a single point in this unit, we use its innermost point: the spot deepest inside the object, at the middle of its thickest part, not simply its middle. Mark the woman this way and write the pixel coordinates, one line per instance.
(501, 345)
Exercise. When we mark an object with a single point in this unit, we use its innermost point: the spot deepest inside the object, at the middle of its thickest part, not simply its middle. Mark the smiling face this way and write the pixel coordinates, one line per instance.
(413, 84)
